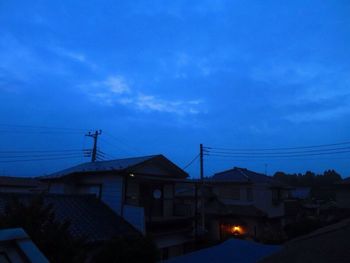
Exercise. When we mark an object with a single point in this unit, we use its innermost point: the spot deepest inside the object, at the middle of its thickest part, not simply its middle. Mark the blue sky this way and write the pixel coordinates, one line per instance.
(164, 76)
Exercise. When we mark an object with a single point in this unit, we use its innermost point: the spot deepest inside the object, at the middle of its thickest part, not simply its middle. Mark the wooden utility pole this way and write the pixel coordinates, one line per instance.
(202, 186)
(94, 149)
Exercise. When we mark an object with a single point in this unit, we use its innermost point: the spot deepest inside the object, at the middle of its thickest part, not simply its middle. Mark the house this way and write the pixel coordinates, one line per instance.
(247, 204)
(12, 184)
(88, 217)
(17, 247)
(342, 193)
(141, 190)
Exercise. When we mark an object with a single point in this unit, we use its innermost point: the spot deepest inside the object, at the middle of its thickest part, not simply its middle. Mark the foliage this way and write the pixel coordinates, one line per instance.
(123, 250)
(309, 179)
(51, 237)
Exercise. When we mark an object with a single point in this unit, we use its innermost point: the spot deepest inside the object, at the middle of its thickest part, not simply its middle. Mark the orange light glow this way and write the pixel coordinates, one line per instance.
(236, 230)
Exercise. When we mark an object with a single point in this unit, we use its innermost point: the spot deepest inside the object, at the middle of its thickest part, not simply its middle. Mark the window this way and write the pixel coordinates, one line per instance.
(249, 194)
(235, 193)
(276, 196)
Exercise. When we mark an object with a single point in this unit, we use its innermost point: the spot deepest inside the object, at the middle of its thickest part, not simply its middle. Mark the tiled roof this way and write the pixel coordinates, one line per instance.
(242, 175)
(101, 166)
(88, 216)
(120, 165)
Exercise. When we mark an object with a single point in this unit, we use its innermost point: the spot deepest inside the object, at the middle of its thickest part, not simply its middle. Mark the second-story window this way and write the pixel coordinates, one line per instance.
(276, 196)
(249, 194)
(235, 193)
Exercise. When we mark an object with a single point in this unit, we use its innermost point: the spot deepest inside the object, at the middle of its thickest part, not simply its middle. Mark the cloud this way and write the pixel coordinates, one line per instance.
(115, 90)
(287, 73)
(73, 55)
(321, 115)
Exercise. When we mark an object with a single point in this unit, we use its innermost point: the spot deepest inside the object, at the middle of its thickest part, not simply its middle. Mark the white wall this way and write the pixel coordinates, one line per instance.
(262, 195)
(111, 192)
(135, 215)
(112, 189)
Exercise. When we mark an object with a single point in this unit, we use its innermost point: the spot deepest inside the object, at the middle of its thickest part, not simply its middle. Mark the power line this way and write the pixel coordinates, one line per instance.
(121, 141)
(277, 153)
(43, 159)
(38, 155)
(273, 149)
(277, 156)
(40, 132)
(115, 146)
(40, 127)
(191, 162)
(42, 151)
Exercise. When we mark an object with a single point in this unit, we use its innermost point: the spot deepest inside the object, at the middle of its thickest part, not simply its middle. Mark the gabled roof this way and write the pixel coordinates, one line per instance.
(87, 215)
(117, 165)
(243, 175)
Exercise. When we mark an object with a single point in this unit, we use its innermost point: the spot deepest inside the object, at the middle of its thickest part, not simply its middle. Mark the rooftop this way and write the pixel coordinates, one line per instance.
(87, 215)
(328, 244)
(117, 165)
(243, 175)
(19, 181)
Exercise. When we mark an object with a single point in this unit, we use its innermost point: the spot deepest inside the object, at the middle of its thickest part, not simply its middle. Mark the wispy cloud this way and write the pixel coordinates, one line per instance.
(115, 90)
(73, 55)
(321, 115)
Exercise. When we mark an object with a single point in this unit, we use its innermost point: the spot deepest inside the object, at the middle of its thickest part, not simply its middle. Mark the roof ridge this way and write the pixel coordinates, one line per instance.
(240, 170)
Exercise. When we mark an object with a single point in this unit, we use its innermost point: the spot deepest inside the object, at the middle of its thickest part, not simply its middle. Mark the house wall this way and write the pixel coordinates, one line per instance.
(168, 200)
(343, 197)
(136, 216)
(236, 194)
(57, 188)
(153, 169)
(14, 189)
(261, 197)
(111, 188)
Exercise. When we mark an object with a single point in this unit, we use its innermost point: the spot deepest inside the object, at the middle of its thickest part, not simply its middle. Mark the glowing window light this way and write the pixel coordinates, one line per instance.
(237, 230)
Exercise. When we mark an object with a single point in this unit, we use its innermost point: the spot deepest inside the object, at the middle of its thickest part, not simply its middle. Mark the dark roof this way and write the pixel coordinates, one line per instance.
(344, 181)
(224, 207)
(87, 215)
(19, 181)
(328, 244)
(243, 175)
(117, 165)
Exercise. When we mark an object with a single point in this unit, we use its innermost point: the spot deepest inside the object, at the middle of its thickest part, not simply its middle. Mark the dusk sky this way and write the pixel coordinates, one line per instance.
(165, 76)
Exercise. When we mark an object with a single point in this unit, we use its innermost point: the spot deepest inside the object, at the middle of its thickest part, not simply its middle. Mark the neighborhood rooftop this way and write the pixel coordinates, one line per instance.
(243, 175)
(118, 165)
(88, 216)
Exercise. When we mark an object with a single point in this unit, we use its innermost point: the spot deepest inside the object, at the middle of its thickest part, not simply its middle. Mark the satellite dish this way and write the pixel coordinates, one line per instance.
(157, 194)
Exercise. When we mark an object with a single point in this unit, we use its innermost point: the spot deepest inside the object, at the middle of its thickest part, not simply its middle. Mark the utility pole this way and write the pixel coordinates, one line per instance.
(95, 137)
(202, 186)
